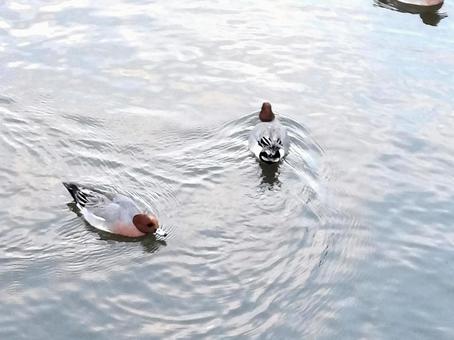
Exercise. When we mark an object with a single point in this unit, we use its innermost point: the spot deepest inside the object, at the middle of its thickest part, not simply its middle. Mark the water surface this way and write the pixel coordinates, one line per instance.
(350, 237)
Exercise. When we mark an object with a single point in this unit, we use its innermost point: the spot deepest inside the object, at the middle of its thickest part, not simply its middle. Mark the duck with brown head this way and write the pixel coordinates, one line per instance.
(113, 212)
(268, 140)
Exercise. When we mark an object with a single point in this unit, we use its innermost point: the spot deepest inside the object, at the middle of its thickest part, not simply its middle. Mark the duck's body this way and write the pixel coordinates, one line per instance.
(113, 212)
(269, 141)
(411, 6)
(426, 3)
(426, 9)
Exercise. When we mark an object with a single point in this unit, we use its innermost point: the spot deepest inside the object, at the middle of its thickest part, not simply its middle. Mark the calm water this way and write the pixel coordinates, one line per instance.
(351, 237)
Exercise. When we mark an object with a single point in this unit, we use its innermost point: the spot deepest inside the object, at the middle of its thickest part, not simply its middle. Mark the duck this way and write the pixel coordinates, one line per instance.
(426, 3)
(412, 6)
(268, 140)
(427, 9)
(113, 212)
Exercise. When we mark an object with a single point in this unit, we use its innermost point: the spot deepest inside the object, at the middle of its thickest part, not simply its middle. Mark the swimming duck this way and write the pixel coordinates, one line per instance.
(427, 9)
(268, 140)
(113, 212)
(426, 3)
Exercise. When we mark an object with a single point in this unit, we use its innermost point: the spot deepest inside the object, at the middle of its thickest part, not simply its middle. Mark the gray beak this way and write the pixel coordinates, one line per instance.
(161, 232)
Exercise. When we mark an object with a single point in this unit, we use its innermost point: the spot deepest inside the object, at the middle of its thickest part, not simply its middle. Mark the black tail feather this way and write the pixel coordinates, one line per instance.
(72, 188)
(80, 196)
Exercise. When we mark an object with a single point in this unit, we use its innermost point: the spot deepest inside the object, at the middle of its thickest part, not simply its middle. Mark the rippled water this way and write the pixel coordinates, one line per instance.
(350, 237)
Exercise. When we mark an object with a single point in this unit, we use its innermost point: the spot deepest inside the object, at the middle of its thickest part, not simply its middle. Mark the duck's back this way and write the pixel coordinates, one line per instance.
(269, 134)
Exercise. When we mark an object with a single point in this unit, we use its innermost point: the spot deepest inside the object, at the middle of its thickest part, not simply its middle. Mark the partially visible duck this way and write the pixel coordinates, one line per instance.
(427, 9)
(426, 3)
(113, 213)
(269, 140)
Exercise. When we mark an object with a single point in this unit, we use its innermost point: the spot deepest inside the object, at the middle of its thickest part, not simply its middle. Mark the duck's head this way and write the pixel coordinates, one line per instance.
(148, 224)
(266, 113)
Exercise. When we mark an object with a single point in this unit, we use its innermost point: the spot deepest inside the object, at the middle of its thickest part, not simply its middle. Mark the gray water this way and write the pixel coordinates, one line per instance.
(350, 237)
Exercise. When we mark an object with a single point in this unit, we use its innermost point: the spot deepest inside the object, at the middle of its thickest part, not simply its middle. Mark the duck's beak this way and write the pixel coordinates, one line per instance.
(161, 232)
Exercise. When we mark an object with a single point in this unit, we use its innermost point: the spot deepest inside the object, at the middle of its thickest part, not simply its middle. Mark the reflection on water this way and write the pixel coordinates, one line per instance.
(270, 174)
(429, 14)
(348, 237)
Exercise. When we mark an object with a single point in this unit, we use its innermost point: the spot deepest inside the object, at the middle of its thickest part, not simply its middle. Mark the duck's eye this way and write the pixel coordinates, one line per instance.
(150, 225)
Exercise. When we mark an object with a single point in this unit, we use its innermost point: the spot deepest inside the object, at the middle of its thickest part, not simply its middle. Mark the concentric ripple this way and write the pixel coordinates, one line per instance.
(246, 240)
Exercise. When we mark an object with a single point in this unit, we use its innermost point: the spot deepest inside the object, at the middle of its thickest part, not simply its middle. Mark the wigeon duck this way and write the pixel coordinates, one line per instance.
(427, 3)
(427, 9)
(113, 213)
(268, 140)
